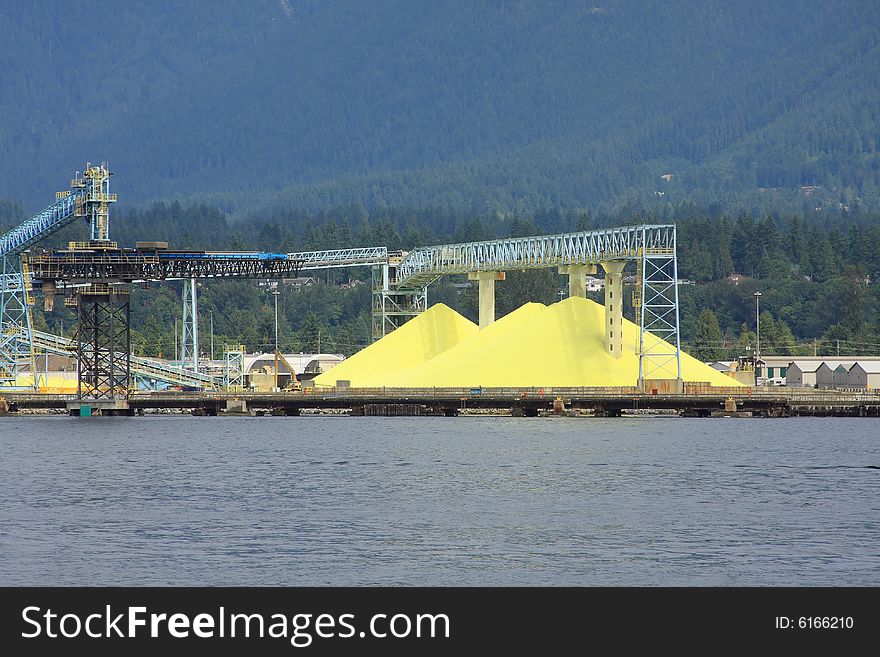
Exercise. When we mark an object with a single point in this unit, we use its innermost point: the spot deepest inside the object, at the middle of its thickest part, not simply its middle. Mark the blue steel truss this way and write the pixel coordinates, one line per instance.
(58, 215)
(88, 197)
(374, 255)
(16, 343)
(425, 265)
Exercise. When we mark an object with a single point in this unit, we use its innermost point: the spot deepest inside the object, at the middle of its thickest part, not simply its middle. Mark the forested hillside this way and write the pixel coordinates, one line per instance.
(480, 106)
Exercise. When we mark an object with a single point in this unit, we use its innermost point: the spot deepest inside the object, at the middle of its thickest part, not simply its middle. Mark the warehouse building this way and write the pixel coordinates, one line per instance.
(801, 373)
(841, 375)
(865, 375)
(826, 371)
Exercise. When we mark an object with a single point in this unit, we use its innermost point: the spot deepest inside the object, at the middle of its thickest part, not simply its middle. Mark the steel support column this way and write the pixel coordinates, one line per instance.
(16, 336)
(656, 302)
(392, 308)
(103, 341)
(189, 332)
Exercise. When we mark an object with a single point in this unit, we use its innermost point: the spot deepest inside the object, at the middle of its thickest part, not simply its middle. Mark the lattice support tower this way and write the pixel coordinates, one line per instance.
(233, 367)
(103, 341)
(16, 337)
(656, 302)
(189, 331)
(392, 307)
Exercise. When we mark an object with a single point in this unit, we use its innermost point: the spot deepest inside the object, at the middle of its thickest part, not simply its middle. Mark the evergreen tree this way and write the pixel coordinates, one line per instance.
(708, 340)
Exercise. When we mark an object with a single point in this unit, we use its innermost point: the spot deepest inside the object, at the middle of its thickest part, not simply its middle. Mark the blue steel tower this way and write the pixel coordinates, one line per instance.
(89, 197)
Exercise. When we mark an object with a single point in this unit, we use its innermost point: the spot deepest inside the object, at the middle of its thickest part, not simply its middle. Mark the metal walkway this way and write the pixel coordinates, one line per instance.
(375, 255)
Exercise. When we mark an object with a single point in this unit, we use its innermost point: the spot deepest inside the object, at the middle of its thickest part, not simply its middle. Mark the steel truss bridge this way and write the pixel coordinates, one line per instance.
(97, 272)
(424, 265)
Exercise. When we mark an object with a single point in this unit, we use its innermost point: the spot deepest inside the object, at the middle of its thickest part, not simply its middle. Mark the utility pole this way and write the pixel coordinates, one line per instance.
(838, 347)
(175, 340)
(212, 335)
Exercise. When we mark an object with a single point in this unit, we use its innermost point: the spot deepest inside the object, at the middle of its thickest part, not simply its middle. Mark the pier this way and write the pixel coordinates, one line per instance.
(525, 402)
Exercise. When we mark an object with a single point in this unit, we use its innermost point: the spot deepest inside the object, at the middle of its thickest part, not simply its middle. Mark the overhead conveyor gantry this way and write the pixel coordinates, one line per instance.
(651, 247)
(400, 280)
(336, 258)
(88, 198)
(103, 270)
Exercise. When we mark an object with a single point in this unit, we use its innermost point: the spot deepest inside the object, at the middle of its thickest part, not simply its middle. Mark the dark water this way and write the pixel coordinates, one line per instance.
(439, 501)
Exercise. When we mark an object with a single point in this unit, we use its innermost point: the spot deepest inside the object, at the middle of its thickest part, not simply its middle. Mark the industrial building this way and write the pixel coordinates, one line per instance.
(808, 370)
(260, 369)
(825, 372)
(853, 372)
(840, 377)
(802, 373)
(865, 375)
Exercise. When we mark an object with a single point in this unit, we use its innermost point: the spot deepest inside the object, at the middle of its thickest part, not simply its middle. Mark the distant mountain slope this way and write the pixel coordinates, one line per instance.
(498, 104)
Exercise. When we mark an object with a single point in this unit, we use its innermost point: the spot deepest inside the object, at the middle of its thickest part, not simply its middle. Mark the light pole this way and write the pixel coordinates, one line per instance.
(757, 332)
(276, 293)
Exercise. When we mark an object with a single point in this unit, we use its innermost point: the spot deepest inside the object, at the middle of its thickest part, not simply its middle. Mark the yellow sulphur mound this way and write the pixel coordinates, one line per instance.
(561, 345)
(420, 339)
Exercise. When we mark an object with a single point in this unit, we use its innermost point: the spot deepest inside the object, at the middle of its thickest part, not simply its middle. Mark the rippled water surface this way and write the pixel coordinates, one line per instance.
(439, 501)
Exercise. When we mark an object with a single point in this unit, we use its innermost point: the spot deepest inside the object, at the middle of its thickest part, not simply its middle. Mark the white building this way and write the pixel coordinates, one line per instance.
(313, 364)
(594, 284)
(775, 367)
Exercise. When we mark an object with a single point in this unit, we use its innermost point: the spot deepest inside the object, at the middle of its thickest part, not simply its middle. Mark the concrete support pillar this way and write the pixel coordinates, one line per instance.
(614, 306)
(577, 278)
(487, 294)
